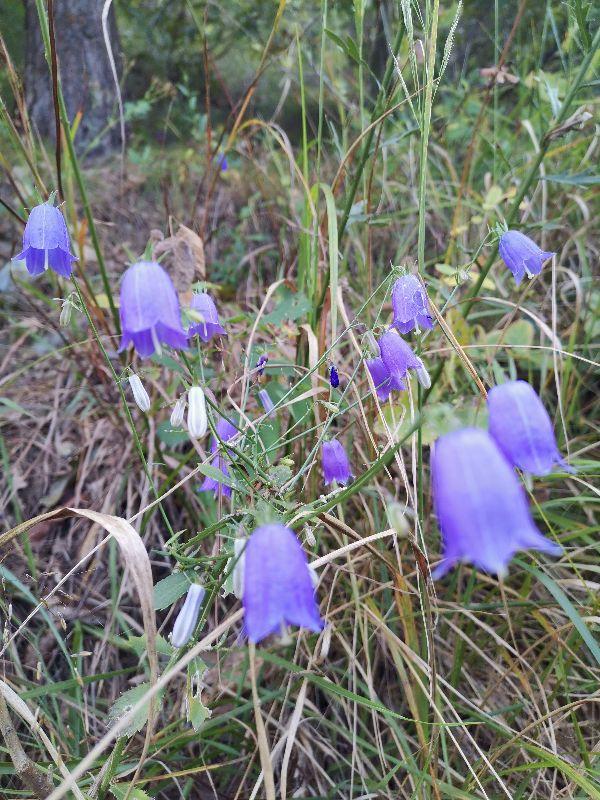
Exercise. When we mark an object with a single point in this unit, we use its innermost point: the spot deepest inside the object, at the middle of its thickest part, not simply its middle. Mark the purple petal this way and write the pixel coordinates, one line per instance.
(397, 356)
(210, 325)
(410, 304)
(522, 428)
(481, 506)
(521, 254)
(336, 466)
(60, 261)
(278, 587)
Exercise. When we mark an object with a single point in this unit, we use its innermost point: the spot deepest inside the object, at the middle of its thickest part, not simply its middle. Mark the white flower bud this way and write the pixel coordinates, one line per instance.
(372, 343)
(65, 313)
(196, 418)
(423, 376)
(140, 395)
(310, 537)
(238, 571)
(178, 412)
(397, 518)
(188, 616)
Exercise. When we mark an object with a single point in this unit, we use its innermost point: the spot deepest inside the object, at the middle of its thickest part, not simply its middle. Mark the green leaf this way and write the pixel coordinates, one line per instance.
(124, 704)
(170, 589)
(293, 305)
(578, 179)
(216, 475)
(567, 606)
(119, 790)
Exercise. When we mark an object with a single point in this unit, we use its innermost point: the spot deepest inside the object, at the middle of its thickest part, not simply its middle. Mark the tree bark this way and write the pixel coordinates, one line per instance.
(84, 69)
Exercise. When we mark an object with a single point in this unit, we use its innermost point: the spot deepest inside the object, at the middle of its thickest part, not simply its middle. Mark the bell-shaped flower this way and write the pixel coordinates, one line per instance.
(266, 403)
(225, 431)
(140, 395)
(384, 383)
(278, 588)
(187, 619)
(150, 314)
(46, 242)
(197, 421)
(480, 504)
(410, 304)
(262, 363)
(397, 355)
(522, 428)
(336, 466)
(522, 255)
(205, 311)
(210, 484)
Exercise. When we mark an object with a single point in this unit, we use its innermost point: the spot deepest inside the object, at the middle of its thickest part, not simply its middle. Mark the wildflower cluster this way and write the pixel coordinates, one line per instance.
(480, 503)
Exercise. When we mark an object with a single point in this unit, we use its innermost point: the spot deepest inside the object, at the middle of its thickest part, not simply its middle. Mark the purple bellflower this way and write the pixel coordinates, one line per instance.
(334, 378)
(261, 363)
(225, 431)
(149, 310)
(278, 587)
(46, 242)
(209, 325)
(384, 383)
(397, 356)
(214, 485)
(222, 162)
(522, 428)
(522, 255)
(410, 304)
(266, 402)
(336, 466)
(481, 507)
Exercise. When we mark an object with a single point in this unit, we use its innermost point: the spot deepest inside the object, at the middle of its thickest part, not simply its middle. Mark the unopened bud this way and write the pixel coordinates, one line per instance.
(423, 376)
(188, 616)
(177, 413)
(310, 537)
(140, 395)
(239, 546)
(65, 313)
(196, 418)
(267, 403)
(397, 518)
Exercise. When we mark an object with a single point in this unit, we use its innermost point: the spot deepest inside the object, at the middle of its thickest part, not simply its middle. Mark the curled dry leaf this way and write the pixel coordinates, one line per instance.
(184, 257)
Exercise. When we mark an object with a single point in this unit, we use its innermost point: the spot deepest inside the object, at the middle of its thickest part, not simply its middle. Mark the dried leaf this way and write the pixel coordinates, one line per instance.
(184, 257)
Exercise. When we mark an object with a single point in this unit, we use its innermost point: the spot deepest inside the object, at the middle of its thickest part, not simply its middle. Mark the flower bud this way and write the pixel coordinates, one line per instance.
(239, 546)
(178, 412)
(267, 403)
(423, 376)
(397, 518)
(65, 313)
(188, 616)
(140, 395)
(196, 418)
(371, 342)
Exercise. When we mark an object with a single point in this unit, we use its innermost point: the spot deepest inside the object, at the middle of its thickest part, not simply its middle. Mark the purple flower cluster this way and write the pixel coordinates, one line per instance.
(480, 504)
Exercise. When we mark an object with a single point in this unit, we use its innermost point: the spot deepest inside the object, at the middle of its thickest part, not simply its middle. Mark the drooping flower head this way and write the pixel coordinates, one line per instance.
(222, 162)
(225, 431)
(522, 255)
(278, 588)
(481, 507)
(397, 356)
(334, 378)
(410, 304)
(336, 466)
(187, 619)
(522, 428)
(149, 310)
(266, 403)
(210, 484)
(208, 325)
(384, 383)
(46, 242)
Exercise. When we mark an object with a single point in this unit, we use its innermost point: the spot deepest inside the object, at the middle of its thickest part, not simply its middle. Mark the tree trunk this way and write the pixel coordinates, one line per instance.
(84, 70)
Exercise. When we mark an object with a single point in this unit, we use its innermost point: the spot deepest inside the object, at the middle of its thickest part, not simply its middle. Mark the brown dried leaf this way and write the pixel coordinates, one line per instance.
(184, 257)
